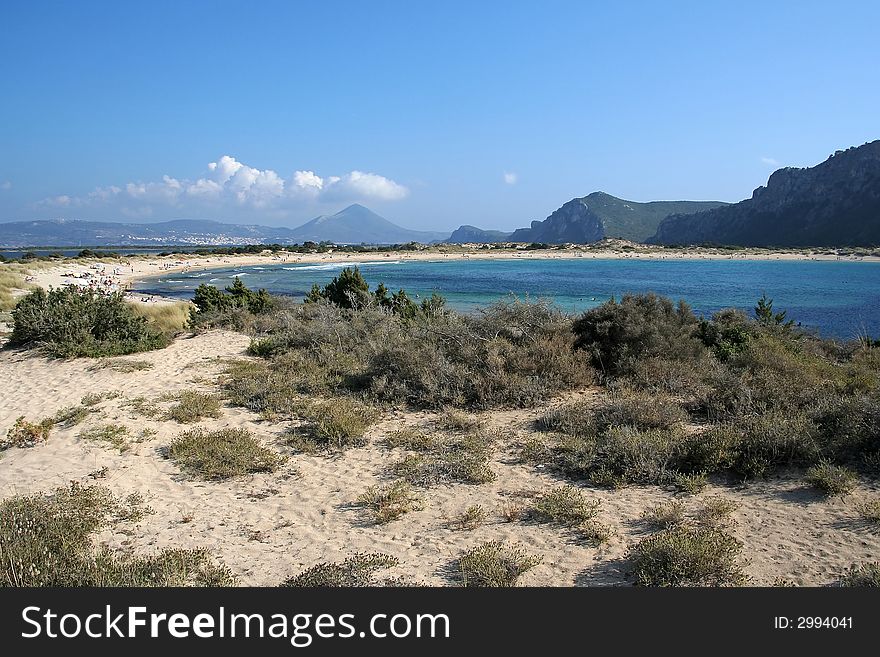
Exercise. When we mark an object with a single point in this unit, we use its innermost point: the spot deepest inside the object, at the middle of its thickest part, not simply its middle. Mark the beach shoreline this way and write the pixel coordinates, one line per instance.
(123, 273)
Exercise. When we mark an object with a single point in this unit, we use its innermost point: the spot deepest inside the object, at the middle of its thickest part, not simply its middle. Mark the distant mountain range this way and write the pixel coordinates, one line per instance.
(353, 225)
(589, 219)
(835, 203)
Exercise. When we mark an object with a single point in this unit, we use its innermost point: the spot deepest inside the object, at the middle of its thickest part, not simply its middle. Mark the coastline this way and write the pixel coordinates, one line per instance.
(123, 273)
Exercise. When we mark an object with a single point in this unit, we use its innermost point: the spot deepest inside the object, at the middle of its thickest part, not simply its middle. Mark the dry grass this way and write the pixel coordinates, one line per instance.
(121, 365)
(115, 435)
(494, 564)
(169, 318)
(390, 502)
(469, 519)
(664, 514)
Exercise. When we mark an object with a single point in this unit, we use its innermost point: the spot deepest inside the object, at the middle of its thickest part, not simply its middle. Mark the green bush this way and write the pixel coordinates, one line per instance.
(71, 322)
(193, 406)
(566, 506)
(45, 540)
(446, 460)
(494, 564)
(356, 571)
(211, 302)
(222, 454)
(618, 334)
(688, 555)
(832, 480)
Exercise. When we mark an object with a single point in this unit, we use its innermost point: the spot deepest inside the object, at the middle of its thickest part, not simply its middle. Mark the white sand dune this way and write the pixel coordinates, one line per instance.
(270, 526)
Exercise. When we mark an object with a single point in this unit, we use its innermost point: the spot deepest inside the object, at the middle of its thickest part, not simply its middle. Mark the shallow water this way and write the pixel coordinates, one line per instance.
(838, 298)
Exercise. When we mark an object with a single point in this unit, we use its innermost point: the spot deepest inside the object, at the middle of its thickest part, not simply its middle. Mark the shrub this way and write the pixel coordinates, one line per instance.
(114, 434)
(870, 512)
(210, 302)
(70, 416)
(690, 483)
(775, 439)
(494, 564)
(566, 506)
(717, 511)
(193, 406)
(71, 322)
(469, 519)
(463, 459)
(45, 540)
(617, 334)
(665, 514)
(222, 454)
(639, 410)
(26, 434)
(622, 455)
(862, 575)
(832, 480)
(454, 420)
(356, 571)
(687, 555)
(347, 290)
(514, 354)
(390, 502)
(340, 423)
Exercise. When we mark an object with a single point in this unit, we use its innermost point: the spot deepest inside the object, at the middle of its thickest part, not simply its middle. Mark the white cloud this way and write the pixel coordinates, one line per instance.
(232, 185)
(510, 178)
(6, 185)
(769, 161)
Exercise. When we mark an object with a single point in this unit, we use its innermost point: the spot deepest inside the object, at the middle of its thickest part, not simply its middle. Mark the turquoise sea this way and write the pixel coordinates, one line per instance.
(837, 298)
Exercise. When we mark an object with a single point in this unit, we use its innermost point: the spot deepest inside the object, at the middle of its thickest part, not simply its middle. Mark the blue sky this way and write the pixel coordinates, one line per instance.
(433, 114)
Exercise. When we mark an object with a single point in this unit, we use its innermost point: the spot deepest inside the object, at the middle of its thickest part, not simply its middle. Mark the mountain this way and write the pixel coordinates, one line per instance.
(835, 203)
(600, 215)
(473, 235)
(354, 225)
(357, 224)
(62, 232)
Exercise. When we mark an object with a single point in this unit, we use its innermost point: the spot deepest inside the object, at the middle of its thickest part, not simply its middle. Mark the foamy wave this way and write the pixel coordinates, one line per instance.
(341, 265)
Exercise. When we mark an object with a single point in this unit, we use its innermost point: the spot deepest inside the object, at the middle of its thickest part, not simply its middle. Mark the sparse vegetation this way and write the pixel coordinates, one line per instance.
(665, 514)
(444, 460)
(494, 564)
(832, 480)
(121, 365)
(26, 434)
(870, 513)
(469, 519)
(45, 540)
(115, 435)
(356, 571)
(688, 555)
(222, 454)
(193, 406)
(862, 575)
(717, 511)
(390, 502)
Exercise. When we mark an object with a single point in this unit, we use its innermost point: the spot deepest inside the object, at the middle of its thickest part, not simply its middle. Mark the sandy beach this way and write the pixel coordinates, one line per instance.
(267, 527)
(120, 274)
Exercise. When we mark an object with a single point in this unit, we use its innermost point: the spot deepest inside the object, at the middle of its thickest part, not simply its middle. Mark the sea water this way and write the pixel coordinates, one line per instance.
(837, 298)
